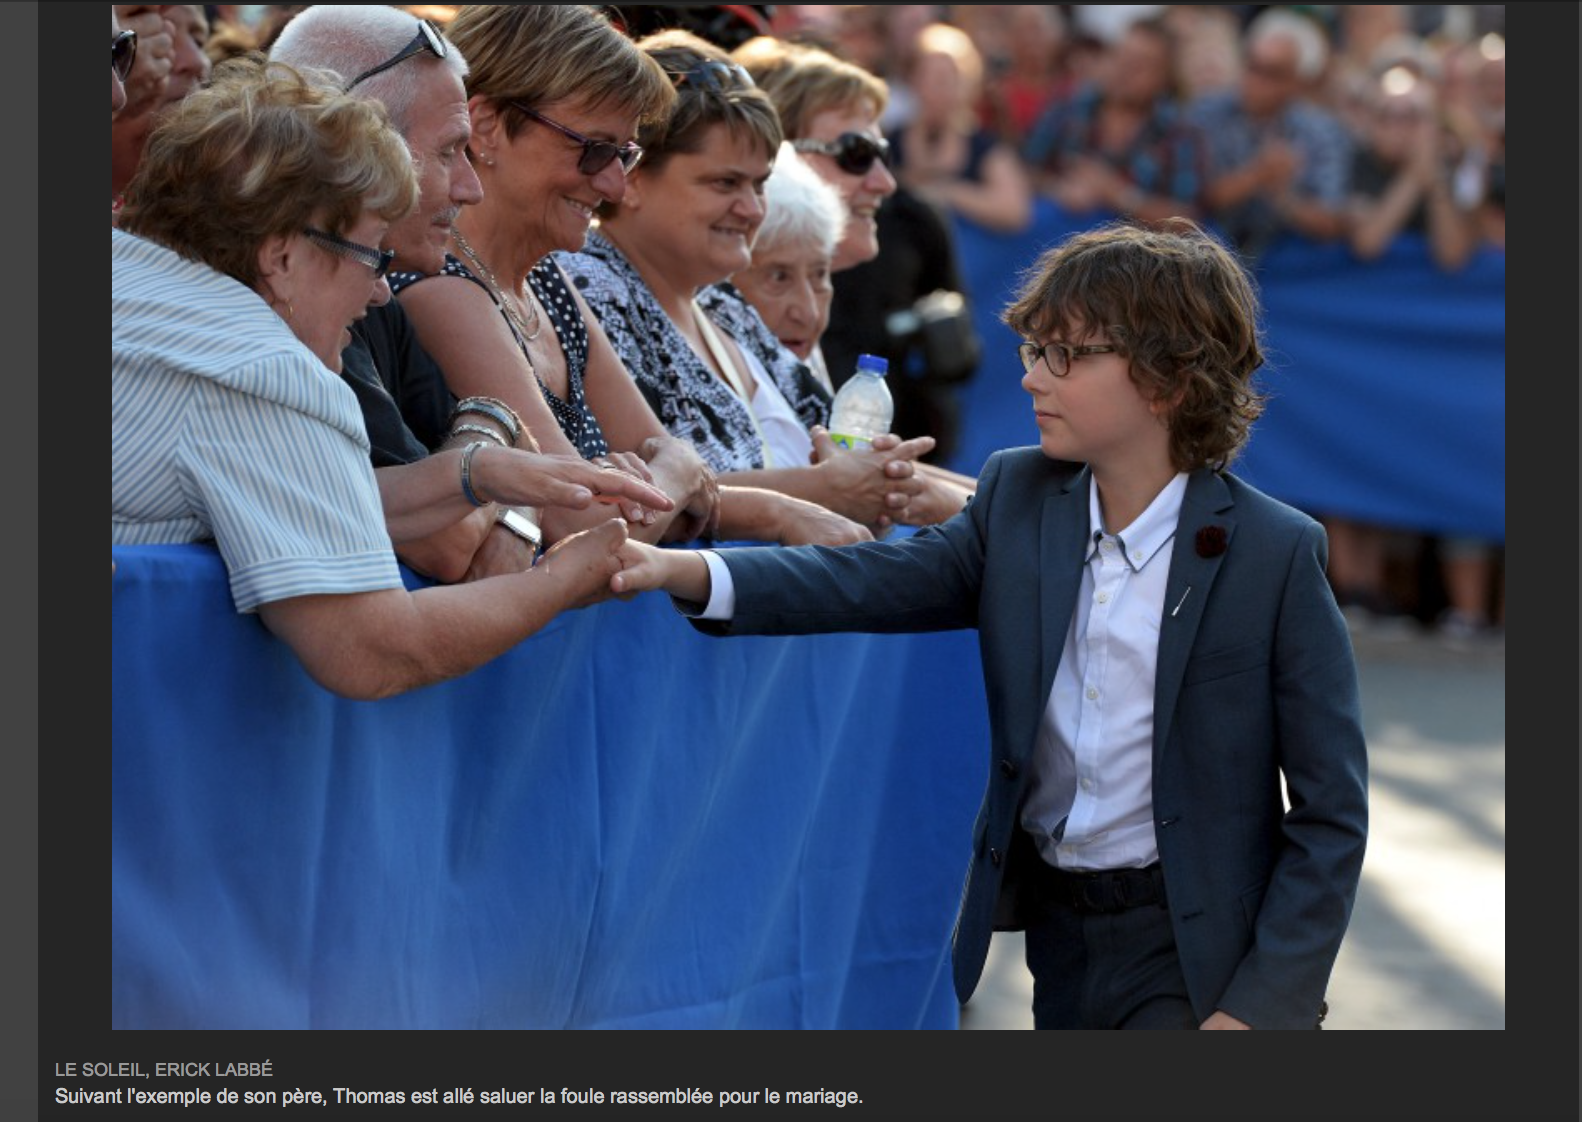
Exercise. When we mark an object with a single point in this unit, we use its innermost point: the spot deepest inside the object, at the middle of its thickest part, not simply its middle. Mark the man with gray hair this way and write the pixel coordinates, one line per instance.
(408, 65)
(1278, 163)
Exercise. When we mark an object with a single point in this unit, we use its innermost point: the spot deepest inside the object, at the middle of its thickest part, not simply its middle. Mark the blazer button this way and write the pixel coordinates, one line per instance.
(994, 857)
(1008, 769)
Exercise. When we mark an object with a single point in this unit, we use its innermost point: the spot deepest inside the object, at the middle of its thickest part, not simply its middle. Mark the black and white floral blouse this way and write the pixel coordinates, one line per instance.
(690, 401)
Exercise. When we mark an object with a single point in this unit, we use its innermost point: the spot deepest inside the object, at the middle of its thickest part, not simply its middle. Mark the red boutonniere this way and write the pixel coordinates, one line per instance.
(1211, 541)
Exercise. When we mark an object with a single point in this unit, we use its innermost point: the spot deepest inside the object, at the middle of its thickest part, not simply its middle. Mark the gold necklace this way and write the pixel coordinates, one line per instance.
(528, 333)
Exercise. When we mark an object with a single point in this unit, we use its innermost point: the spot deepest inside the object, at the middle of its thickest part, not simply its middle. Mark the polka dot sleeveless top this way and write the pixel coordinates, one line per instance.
(576, 420)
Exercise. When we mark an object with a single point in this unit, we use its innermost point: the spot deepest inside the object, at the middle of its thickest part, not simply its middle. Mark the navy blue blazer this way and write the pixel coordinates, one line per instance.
(1256, 684)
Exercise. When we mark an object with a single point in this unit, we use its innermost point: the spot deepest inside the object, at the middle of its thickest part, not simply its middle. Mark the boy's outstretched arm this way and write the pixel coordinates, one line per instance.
(644, 568)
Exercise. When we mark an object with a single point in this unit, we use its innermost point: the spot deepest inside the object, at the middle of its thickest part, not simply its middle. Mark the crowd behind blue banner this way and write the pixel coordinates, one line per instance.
(620, 823)
(1386, 378)
(624, 824)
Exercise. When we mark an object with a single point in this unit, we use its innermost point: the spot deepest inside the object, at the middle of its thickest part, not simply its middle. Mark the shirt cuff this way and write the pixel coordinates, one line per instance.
(722, 590)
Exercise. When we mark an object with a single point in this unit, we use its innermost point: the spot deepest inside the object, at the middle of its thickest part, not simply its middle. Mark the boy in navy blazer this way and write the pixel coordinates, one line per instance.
(1176, 809)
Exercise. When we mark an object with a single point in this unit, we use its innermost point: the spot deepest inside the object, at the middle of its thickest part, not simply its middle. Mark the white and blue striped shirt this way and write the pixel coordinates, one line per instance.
(225, 426)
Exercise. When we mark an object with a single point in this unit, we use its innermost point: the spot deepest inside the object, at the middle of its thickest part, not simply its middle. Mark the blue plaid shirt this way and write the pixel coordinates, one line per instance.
(1233, 138)
(1167, 156)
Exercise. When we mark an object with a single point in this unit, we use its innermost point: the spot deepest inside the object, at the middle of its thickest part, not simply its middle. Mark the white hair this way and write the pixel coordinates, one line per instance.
(801, 208)
(1312, 45)
(352, 38)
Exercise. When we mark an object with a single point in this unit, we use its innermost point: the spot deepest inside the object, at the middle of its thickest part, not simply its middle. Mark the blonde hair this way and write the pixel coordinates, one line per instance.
(538, 54)
(265, 150)
(804, 81)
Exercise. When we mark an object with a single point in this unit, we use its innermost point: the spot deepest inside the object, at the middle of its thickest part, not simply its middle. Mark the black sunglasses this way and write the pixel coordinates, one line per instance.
(713, 75)
(376, 259)
(596, 154)
(853, 152)
(123, 52)
(428, 38)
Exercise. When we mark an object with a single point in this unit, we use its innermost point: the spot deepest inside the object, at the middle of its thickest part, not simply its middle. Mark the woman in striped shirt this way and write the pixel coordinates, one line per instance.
(247, 246)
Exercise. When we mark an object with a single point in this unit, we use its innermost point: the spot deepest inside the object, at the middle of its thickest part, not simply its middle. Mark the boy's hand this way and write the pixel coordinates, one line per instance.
(645, 568)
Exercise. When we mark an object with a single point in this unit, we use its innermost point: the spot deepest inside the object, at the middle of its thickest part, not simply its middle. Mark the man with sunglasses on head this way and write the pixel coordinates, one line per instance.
(415, 425)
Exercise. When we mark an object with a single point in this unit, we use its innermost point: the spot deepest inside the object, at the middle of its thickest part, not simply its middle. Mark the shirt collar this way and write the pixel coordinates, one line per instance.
(1149, 532)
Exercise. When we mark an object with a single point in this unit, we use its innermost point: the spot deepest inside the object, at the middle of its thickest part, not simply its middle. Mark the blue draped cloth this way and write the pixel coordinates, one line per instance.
(1387, 378)
(620, 823)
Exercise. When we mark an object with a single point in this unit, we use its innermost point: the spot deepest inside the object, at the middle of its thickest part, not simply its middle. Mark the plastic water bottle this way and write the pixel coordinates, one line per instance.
(863, 408)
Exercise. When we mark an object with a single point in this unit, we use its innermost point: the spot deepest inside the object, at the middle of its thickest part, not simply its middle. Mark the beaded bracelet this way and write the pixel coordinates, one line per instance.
(467, 454)
(483, 430)
(496, 410)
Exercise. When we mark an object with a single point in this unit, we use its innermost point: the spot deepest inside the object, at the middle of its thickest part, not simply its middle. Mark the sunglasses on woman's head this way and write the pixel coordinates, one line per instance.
(123, 52)
(713, 75)
(853, 152)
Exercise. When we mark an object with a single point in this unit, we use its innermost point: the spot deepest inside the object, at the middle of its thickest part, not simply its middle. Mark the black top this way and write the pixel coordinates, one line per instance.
(401, 389)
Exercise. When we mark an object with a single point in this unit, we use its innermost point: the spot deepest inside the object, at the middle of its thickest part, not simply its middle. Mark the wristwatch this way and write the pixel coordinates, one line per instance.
(522, 526)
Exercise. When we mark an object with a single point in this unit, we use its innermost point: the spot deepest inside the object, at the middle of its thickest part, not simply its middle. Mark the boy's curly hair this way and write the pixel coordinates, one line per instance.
(1181, 309)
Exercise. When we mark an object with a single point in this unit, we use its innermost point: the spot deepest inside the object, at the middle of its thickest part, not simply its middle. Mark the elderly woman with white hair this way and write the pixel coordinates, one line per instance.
(789, 285)
(789, 280)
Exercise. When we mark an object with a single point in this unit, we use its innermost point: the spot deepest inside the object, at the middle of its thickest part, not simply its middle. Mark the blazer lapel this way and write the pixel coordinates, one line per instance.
(1207, 503)
(1062, 547)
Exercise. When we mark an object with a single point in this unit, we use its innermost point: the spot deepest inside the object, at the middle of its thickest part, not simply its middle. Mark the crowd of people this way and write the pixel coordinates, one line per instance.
(1352, 123)
(1346, 123)
(517, 296)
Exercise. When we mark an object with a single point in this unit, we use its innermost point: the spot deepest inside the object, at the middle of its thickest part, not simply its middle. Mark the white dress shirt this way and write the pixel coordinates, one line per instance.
(1090, 800)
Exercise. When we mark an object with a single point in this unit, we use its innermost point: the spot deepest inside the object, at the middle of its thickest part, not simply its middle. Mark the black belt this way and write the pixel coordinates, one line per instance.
(1108, 890)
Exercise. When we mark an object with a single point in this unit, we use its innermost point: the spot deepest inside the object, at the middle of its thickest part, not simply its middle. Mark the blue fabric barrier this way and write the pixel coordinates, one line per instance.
(1387, 378)
(618, 824)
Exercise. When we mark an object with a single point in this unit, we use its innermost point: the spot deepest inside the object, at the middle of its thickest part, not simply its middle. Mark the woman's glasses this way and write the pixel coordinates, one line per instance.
(428, 38)
(853, 152)
(123, 52)
(596, 154)
(376, 259)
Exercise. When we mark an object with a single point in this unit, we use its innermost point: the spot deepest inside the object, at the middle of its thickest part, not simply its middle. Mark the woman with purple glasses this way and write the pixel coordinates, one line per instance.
(557, 96)
(705, 360)
(248, 246)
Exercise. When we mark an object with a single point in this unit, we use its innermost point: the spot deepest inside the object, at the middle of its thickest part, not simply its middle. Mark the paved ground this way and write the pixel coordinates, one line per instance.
(1426, 949)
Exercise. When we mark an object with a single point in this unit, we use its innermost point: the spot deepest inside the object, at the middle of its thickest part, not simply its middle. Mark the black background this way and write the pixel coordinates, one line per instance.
(59, 450)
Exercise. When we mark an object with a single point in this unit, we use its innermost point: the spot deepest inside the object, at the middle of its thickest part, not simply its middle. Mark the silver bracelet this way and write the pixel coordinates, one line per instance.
(483, 430)
(467, 454)
(496, 410)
